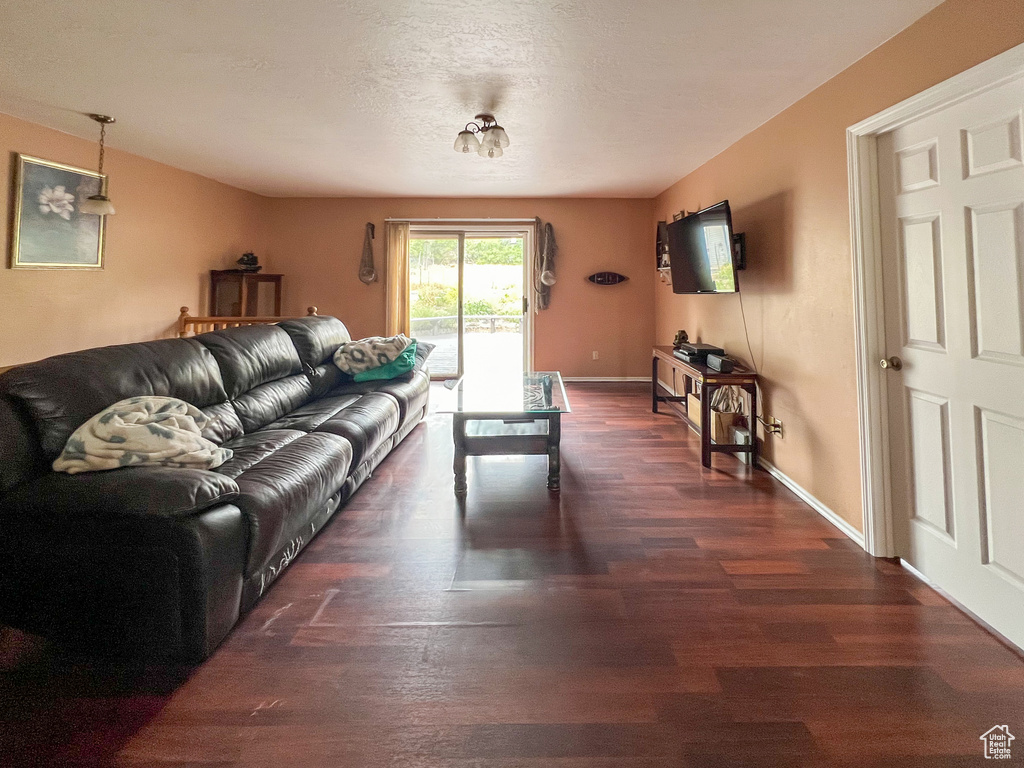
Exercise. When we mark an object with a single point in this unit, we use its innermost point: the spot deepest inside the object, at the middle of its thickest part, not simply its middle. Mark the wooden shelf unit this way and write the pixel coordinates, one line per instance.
(709, 381)
(234, 293)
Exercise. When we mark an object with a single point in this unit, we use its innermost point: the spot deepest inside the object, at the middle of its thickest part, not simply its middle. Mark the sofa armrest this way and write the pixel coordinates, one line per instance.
(140, 491)
(127, 585)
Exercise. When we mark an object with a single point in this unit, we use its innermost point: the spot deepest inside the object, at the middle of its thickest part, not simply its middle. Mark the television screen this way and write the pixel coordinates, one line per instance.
(700, 252)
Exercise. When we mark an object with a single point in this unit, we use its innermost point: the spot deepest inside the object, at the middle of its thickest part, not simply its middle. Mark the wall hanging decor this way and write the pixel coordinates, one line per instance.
(607, 278)
(367, 272)
(49, 230)
(544, 263)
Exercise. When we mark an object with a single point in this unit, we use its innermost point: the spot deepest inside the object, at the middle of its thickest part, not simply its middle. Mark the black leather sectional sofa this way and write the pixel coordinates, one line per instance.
(155, 560)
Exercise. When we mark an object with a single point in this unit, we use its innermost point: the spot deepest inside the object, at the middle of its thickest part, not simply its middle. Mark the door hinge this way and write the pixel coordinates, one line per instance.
(526, 305)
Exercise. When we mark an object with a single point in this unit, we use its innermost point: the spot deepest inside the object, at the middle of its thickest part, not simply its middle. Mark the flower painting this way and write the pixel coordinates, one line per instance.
(57, 200)
(49, 231)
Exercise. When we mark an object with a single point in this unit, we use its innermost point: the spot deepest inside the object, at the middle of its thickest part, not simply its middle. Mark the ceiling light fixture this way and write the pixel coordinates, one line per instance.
(99, 204)
(488, 139)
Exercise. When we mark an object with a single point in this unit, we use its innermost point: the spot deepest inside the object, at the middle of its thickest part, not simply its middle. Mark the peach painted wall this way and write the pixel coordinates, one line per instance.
(317, 243)
(787, 183)
(171, 228)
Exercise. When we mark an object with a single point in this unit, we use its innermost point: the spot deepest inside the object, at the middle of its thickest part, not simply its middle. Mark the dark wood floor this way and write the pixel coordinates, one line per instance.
(655, 614)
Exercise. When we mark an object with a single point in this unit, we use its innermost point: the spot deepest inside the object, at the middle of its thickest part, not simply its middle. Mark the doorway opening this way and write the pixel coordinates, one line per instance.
(468, 295)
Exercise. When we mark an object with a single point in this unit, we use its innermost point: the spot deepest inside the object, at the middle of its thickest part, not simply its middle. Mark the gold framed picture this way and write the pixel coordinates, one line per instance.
(49, 231)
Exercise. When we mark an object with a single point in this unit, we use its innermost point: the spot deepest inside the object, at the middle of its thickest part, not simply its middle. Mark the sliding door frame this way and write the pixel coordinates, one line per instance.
(432, 233)
(461, 230)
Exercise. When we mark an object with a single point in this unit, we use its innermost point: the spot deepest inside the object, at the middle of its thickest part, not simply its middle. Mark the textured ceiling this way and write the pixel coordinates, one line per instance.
(353, 97)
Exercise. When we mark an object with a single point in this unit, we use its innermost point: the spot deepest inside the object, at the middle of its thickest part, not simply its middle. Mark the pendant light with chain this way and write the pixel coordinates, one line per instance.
(99, 204)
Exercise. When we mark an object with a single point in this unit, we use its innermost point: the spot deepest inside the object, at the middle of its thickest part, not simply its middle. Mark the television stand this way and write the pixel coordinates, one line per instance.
(709, 381)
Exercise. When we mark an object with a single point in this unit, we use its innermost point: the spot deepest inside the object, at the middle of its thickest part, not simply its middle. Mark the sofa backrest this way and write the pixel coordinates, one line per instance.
(21, 458)
(55, 396)
(262, 372)
(316, 339)
(244, 378)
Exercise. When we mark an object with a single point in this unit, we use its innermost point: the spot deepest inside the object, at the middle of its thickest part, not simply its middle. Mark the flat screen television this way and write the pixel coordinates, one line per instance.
(700, 252)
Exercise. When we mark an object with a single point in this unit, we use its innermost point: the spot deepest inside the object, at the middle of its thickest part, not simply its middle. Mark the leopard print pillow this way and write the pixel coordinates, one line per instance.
(354, 357)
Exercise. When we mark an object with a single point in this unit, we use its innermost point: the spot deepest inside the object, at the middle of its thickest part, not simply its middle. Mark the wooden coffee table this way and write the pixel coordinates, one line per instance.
(521, 417)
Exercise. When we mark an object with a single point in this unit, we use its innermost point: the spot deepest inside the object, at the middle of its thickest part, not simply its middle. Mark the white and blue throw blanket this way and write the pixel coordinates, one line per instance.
(142, 432)
(355, 357)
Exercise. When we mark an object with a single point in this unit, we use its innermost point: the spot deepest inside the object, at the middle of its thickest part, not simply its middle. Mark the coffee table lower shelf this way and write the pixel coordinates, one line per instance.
(499, 441)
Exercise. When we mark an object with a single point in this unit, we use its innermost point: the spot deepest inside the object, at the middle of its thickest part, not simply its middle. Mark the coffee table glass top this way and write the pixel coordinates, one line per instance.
(539, 392)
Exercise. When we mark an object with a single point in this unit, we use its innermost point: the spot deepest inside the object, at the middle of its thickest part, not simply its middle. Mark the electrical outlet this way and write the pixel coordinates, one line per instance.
(771, 426)
(595, 354)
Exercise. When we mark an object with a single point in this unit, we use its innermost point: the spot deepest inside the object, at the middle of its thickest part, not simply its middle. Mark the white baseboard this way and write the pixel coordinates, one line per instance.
(592, 379)
(812, 502)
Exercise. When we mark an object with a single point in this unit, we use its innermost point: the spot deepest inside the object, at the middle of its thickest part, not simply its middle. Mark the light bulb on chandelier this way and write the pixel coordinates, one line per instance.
(486, 138)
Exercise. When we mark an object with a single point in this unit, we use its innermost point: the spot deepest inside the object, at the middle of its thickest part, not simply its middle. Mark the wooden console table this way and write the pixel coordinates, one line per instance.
(709, 380)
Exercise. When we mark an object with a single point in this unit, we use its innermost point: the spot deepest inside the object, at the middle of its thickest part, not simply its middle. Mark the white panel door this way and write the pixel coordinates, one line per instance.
(951, 191)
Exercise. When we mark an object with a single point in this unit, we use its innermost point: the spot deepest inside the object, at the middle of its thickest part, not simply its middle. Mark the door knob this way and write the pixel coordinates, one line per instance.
(891, 362)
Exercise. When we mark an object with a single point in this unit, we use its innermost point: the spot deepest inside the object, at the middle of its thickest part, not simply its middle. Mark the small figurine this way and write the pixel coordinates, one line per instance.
(681, 338)
(249, 262)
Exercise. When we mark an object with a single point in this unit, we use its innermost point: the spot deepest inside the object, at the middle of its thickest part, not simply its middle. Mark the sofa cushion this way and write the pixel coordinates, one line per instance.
(161, 491)
(261, 370)
(61, 393)
(249, 450)
(366, 424)
(223, 424)
(286, 487)
(260, 406)
(315, 338)
(326, 377)
(349, 387)
(251, 355)
(312, 415)
(410, 390)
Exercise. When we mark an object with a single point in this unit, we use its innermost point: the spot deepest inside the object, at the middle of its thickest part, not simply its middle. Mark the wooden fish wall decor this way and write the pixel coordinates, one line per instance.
(607, 278)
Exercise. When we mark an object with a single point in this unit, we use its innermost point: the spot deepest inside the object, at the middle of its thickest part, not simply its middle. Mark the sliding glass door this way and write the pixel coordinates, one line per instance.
(435, 297)
(493, 306)
(467, 296)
